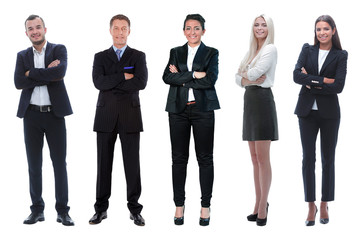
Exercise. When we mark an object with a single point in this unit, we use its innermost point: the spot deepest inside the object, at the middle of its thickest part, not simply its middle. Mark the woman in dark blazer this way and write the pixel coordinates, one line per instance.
(191, 72)
(321, 70)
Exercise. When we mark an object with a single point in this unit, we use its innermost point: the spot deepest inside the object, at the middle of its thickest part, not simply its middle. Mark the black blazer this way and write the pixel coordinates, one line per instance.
(335, 66)
(206, 60)
(118, 98)
(52, 77)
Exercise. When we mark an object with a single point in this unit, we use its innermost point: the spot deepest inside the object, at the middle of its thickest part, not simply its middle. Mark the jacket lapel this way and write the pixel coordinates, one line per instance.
(330, 57)
(112, 55)
(196, 65)
(30, 56)
(182, 57)
(314, 52)
(48, 54)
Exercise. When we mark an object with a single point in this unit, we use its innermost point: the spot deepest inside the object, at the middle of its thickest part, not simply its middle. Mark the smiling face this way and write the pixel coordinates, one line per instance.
(260, 29)
(324, 34)
(35, 31)
(193, 32)
(120, 31)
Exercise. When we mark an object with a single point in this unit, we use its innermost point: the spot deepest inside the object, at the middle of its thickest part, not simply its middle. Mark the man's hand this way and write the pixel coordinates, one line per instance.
(54, 63)
(128, 76)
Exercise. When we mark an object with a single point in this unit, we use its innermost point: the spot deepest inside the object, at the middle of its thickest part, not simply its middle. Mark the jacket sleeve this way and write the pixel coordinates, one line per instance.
(101, 80)
(139, 81)
(211, 74)
(339, 78)
(179, 78)
(54, 73)
(305, 79)
(20, 80)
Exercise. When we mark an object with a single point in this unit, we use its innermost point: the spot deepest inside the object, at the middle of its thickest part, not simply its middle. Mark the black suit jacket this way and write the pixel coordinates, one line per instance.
(335, 66)
(52, 77)
(118, 98)
(206, 60)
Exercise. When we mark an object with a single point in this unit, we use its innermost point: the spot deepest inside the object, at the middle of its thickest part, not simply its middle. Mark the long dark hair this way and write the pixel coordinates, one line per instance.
(335, 39)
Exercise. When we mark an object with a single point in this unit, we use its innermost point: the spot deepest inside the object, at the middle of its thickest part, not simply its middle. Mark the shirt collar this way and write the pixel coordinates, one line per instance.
(193, 49)
(122, 49)
(43, 50)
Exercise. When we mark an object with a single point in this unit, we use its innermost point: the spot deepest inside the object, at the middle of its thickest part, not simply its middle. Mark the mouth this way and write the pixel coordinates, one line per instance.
(323, 38)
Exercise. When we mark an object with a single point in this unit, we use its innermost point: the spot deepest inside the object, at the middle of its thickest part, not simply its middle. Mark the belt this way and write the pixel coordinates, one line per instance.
(45, 108)
(190, 103)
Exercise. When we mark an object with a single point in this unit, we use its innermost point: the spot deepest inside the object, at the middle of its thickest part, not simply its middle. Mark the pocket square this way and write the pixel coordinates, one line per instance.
(128, 67)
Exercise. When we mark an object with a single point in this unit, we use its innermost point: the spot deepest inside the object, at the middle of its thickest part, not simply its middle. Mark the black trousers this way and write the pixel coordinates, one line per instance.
(36, 125)
(130, 152)
(309, 127)
(202, 124)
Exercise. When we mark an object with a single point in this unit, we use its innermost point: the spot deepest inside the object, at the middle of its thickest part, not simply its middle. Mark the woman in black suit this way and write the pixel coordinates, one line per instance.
(191, 72)
(321, 70)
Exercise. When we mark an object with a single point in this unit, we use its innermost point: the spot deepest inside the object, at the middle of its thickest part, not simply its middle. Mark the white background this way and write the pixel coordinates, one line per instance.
(156, 27)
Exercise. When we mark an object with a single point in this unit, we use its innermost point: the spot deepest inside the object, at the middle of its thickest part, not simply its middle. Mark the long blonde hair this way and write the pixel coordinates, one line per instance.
(251, 54)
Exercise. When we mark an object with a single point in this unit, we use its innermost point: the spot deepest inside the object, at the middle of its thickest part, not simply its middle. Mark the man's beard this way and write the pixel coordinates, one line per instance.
(40, 42)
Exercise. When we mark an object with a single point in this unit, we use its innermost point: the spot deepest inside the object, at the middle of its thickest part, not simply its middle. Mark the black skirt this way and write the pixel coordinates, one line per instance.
(260, 116)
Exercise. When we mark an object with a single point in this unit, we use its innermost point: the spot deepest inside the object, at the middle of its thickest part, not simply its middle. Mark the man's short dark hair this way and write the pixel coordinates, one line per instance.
(120, 17)
(196, 17)
(32, 17)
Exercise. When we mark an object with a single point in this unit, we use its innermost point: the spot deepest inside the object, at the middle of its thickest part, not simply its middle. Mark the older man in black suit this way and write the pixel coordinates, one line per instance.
(119, 73)
(43, 104)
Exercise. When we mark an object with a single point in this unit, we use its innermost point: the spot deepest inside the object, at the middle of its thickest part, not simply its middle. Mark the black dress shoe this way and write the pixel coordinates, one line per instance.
(205, 221)
(312, 223)
(180, 221)
(324, 220)
(252, 217)
(34, 218)
(137, 219)
(65, 219)
(98, 217)
(262, 222)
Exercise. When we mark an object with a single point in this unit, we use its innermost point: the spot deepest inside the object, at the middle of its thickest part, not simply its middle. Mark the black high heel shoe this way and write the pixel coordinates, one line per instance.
(252, 217)
(180, 220)
(205, 221)
(324, 220)
(312, 223)
(262, 222)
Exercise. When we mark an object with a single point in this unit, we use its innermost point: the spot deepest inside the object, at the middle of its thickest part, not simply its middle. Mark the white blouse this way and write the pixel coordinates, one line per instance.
(264, 65)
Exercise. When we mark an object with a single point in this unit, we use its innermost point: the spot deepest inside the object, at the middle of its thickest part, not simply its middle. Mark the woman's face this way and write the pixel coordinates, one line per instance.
(193, 32)
(324, 33)
(260, 28)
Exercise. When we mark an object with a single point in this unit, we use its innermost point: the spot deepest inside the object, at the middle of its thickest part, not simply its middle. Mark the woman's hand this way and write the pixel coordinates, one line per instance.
(173, 68)
(247, 82)
(328, 80)
(199, 75)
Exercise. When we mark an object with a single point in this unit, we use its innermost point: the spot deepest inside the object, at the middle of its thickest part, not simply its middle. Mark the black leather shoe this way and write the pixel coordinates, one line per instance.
(252, 217)
(65, 219)
(324, 220)
(205, 221)
(34, 218)
(137, 219)
(312, 223)
(262, 222)
(98, 217)
(180, 221)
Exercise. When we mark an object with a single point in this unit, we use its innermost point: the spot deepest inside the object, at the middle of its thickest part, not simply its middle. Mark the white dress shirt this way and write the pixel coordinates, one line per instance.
(321, 58)
(40, 95)
(190, 60)
(264, 65)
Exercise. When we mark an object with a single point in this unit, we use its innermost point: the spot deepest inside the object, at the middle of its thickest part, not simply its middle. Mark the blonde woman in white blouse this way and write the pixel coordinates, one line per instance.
(260, 127)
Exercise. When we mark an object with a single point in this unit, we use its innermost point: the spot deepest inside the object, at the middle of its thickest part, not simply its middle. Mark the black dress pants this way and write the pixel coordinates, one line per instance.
(130, 152)
(202, 124)
(36, 125)
(309, 127)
